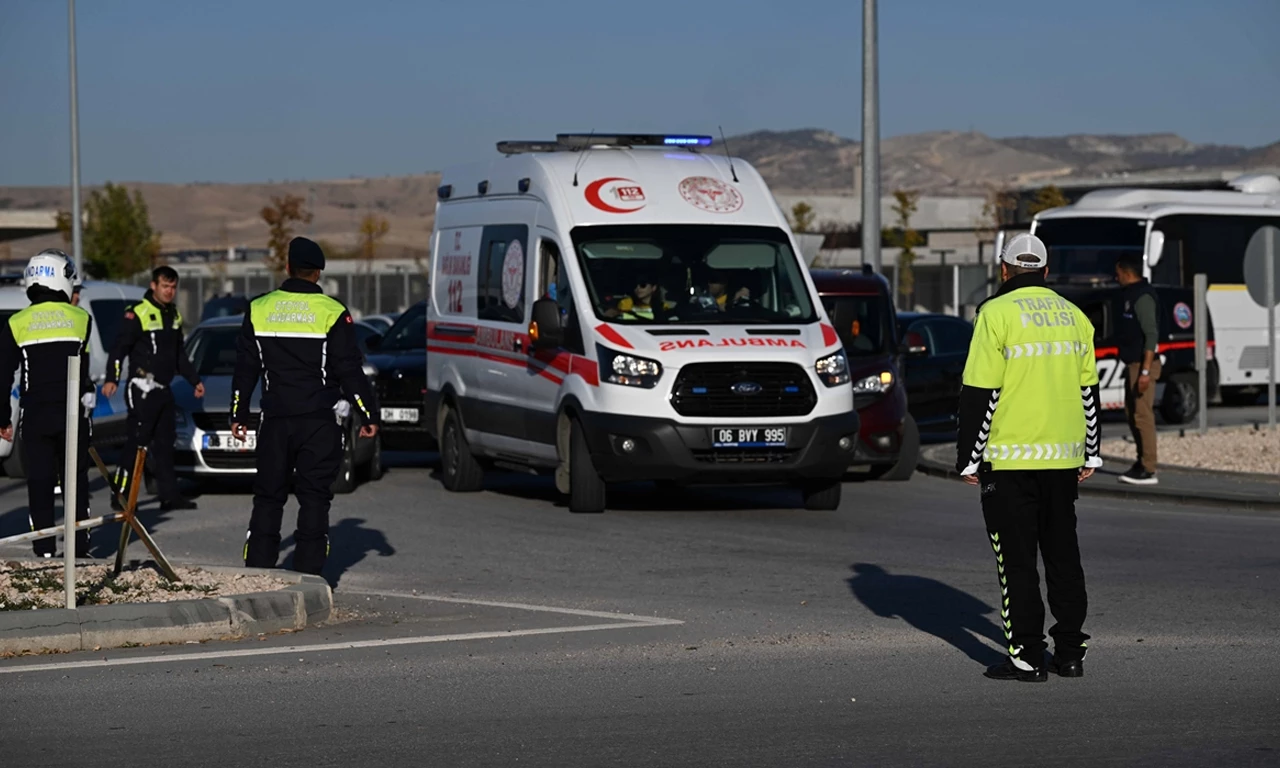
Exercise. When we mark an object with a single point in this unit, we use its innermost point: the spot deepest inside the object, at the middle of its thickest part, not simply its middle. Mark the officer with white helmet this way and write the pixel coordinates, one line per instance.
(39, 339)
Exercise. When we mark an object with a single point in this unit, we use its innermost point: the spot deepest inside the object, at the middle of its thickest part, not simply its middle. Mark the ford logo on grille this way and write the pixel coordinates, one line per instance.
(746, 388)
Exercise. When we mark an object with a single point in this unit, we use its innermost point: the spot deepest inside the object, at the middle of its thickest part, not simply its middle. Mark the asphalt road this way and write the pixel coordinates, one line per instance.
(755, 634)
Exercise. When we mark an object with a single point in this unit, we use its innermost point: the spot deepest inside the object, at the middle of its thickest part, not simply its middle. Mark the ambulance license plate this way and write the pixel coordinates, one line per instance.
(225, 441)
(749, 437)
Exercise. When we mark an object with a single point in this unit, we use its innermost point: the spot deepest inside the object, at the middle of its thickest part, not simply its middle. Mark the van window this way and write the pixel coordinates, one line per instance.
(501, 274)
(553, 283)
(107, 316)
(693, 274)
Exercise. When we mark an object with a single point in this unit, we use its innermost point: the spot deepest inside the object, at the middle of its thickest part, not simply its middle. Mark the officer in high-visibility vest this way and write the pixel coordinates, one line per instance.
(152, 339)
(39, 339)
(304, 345)
(1028, 436)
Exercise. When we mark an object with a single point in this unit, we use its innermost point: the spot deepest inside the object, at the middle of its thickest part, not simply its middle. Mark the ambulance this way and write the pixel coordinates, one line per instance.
(616, 308)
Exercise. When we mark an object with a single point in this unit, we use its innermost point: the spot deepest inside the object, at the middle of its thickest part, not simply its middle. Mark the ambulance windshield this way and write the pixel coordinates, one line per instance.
(695, 274)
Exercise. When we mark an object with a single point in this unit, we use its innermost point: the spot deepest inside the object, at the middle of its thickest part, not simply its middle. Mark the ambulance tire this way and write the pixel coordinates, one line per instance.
(822, 496)
(459, 470)
(587, 490)
(908, 456)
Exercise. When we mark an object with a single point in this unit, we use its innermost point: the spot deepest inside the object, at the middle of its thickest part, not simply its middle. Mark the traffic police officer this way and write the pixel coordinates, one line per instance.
(1028, 436)
(151, 337)
(39, 339)
(304, 345)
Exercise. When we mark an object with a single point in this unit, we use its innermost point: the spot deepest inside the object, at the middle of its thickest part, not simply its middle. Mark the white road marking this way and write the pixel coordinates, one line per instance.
(622, 621)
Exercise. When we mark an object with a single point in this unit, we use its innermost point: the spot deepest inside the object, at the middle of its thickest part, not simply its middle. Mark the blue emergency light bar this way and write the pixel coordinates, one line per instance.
(583, 140)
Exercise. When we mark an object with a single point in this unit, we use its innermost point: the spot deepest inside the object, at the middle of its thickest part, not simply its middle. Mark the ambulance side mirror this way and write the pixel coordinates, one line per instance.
(1155, 247)
(546, 330)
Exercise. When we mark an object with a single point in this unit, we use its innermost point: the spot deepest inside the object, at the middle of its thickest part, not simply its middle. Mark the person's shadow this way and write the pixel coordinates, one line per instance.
(349, 542)
(930, 606)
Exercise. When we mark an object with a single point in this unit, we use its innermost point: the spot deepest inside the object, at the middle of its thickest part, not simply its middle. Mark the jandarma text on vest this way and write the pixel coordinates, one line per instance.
(45, 321)
(291, 312)
(1040, 312)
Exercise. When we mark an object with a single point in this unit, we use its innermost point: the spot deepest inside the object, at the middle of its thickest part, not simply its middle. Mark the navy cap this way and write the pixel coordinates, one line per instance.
(305, 254)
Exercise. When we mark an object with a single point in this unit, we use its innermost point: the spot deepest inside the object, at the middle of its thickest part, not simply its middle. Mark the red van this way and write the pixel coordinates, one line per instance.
(859, 304)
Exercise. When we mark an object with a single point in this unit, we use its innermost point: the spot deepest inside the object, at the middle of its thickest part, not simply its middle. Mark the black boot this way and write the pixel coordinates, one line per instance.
(1067, 667)
(1009, 671)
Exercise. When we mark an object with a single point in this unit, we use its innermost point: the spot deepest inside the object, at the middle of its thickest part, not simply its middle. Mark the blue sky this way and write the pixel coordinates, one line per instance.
(252, 90)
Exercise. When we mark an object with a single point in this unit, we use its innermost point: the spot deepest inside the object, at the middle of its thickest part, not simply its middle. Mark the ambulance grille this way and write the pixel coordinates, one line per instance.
(706, 390)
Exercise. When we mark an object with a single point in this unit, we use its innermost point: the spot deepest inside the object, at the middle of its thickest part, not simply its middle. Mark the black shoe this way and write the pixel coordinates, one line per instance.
(169, 506)
(1070, 668)
(1139, 476)
(1008, 671)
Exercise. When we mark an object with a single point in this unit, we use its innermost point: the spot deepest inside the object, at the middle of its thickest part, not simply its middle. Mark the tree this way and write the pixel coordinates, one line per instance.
(904, 237)
(280, 217)
(1046, 198)
(116, 236)
(372, 229)
(801, 218)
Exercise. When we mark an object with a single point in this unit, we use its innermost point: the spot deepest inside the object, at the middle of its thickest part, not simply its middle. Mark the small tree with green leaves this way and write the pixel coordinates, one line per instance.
(901, 235)
(1046, 198)
(117, 237)
(280, 217)
(802, 217)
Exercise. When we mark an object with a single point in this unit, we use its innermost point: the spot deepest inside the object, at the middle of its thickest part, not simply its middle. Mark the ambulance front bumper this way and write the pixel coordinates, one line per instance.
(627, 448)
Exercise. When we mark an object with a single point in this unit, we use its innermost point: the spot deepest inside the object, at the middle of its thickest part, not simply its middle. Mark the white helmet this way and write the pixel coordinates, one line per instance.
(52, 269)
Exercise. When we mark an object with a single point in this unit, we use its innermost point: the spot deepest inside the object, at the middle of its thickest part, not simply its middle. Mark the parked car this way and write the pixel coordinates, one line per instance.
(859, 306)
(204, 447)
(381, 322)
(224, 306)
(935, 347)
(106, 303)
(400, 358)
(363, 332)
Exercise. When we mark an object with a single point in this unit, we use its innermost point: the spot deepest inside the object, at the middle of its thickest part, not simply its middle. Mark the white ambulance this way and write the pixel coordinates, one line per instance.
(616, 308)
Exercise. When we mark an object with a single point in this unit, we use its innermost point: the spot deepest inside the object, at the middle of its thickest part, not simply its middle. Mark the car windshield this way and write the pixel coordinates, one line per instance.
(694, 274)
(1090, 246)
(862, 323)
(408, 333)
(215, 351)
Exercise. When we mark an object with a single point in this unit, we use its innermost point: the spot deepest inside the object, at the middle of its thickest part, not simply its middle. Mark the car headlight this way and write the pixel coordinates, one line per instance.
(628, 370)
(370, 370)
(833, 369)
(881, 382)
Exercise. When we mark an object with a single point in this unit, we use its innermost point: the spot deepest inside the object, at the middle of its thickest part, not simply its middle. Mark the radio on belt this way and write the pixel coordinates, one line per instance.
(610, 307)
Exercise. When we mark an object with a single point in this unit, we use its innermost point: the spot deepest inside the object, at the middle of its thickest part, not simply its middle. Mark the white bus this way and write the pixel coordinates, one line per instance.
(1179, 233)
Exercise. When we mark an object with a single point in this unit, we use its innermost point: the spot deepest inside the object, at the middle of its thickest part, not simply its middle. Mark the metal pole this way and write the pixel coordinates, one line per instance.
(76, 211)
(955, 289)
(70, 476)
(1271, 327)
(1202, 350)
(870, 139)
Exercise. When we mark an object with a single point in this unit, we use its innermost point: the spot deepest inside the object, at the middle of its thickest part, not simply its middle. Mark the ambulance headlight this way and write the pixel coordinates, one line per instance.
(833, 369)
(628, 370)
(881, 382)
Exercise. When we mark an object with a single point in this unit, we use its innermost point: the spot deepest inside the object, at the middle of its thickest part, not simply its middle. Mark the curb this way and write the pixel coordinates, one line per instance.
(307, 601)
(1236, 501)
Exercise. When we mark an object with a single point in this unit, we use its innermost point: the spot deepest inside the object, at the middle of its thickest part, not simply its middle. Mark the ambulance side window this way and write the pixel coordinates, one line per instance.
(553, 283)
(500, 277)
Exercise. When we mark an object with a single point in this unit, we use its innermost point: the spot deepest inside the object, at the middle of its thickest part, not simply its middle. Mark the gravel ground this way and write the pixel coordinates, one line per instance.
(28, 585)
(1234, 449)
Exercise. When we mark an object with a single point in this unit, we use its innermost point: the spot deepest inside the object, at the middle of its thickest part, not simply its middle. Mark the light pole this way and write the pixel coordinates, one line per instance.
(870, 140)
(76, 212)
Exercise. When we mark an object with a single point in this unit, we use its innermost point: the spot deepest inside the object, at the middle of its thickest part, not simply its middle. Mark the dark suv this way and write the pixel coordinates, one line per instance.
(859, 306)
(400, 355)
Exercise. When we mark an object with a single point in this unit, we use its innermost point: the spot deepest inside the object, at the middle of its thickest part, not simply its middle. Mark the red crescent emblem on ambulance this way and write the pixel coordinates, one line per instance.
(627, 191)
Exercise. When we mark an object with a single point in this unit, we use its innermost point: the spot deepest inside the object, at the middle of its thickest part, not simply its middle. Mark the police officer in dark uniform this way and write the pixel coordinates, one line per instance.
(151, 337)
(304, 345)
(40, 338)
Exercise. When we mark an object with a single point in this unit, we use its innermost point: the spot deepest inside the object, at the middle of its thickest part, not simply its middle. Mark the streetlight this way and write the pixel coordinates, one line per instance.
(76, 235)
(870, 140)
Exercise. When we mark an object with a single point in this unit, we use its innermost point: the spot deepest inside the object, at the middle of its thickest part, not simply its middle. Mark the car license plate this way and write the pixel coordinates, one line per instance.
(400, 415)
(749, 437)
(225, 441)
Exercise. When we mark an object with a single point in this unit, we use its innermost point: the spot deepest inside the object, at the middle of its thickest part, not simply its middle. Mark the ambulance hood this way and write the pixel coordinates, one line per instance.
(674, 346)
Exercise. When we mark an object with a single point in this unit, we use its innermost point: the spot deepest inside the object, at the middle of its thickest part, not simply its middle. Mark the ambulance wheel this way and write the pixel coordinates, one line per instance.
(1181, 401)
(908, 456)
(586, 489)
(460, 471)
(822, 495)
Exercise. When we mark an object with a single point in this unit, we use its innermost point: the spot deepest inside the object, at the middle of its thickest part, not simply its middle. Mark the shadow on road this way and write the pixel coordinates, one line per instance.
(930, 606)
(649, 497)
(349, 542)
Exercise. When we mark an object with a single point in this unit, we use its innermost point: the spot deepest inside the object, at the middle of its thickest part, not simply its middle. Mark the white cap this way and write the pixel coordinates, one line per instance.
(1026, 251)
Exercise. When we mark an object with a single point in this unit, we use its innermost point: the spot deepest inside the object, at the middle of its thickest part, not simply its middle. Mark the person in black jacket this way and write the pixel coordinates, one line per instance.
(40, 339)
(304, 345)
(151, 338)
(1139, 339)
